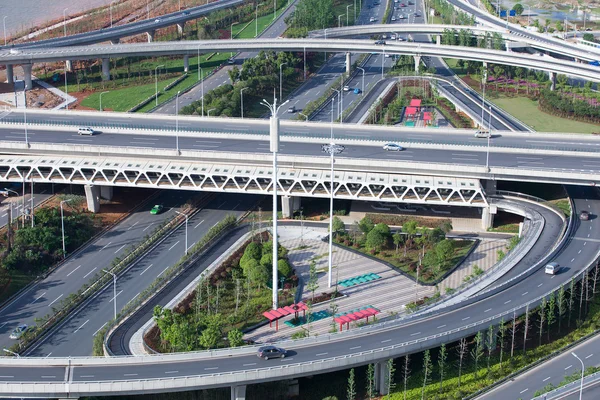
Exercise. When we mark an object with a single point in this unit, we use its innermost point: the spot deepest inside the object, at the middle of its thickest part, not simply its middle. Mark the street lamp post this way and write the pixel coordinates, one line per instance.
(304, 115)
(11, 216)
(156, 83)
(148, 9)
(101, 99)
(62, 223)
(110, 9)
(31, 200)
(274, 9)
(489, 136)
(242, 99)
(274, 147)
(65, 21)
(12, 352)
(25, 117)
(66, 85)
(363, 79)
(333, 102)
(177, 121)
(235, 23)
(348, 13)
(4, 23)
(208, 112)
(528, 13)
(484, 79)
(256, 21)
(186, 230)
(582, 375)
(281, 80)
(114, 291)
(340, 20)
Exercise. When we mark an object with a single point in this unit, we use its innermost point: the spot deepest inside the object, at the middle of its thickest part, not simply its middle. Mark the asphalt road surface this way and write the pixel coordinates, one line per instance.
(41, 192)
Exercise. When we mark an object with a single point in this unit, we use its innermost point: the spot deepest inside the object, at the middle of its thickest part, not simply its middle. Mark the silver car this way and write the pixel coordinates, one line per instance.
(392, 147)
(267, 352)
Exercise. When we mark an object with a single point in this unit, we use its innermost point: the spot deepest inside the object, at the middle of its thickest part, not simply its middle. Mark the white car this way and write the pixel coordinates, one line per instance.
(393, 17)
(482, 134)
(551, 268)
(346, 88)
(86, 130)
(372, 19)
(393, 37)
(392, 147)
(18, 331)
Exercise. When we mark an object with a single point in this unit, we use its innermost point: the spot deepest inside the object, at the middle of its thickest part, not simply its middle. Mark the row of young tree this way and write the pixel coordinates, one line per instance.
(558, 313)
(568, 106)
(450, 16)
(310, 15)
(465, 37)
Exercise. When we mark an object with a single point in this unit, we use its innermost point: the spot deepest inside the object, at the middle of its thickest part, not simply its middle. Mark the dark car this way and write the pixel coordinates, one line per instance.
(584, 215)
(380, 42)
(267, 352)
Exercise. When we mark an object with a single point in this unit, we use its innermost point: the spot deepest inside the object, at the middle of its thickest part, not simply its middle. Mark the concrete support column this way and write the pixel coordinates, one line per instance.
(348, 63)
(417, 63)
(115, 41)
(381, 374)
(106, 69)
(106, 192)
(490, 186)
(92, 195)
(186, 63)
(487, 216)
(69, 65)
(552, 80)
(238, 392)
(150, 36)
(27, 77)
(287, 206)
(10, 76)
(180, 27)
(438, 39)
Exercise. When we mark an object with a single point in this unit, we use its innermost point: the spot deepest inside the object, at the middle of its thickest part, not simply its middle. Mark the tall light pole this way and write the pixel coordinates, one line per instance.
(235, 23)
(156, 83)
(101, 98)
(31, 200)
(114, 291)
(25, 118)
(242, 99)
(363, 79)
(256, 21)
(281, 80)
(528, 13)
(186, 230)
(333, 101)
(332, 149)
(66, 85)
(484, 79)
(4, 23)
(340, 20)
(208, 112)
(274, 147)
(62, 223)
(354, 11)
(274, 9)
(110, 9)
(65, 21)
(487, 157)
(177, 120)
(348, 13)
(12, 352)
(582, 375)
(148, 9)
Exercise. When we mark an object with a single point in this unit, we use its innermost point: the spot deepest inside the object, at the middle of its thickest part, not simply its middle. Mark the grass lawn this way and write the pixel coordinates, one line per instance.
(506, 228)
(239, 32)
(11, 282)
(527, 111)
(452, 63)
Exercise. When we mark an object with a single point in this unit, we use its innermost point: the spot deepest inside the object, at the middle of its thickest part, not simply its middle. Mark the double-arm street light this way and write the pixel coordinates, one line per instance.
(114, 291)
(363, 79)
(281, 80)
(186, 230)
(62, 224)
(208, 112)
(242, 99)
(201, 79)
(340, 20)
(101, 98)
(274, 147)
(582, 375)
(110, 9)
(235, 23)
(156, 83)
(65, 21)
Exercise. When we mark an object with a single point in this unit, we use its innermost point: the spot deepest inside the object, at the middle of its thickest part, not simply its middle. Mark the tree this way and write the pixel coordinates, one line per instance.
(502, 334)
(442, 356)
(462, 350)
(518, 9)
(525, 328)
(366, 225)
(284, 268)
(351, 386)
(561, 304)
(410, 228)
(477, 351)
(235, 338)
(375, 240)
(490, 345)
(551, 313)
(589, 37)
(398, 239)
(542, 318)
(211, 335)
(406, 373)
(444, 251)
(562, 80)
(370, 381)
(383, 229)
(313, 278)
(389, 378)
(446, 226)
(338, 225)
(571, 300)
(427, 366)
(258, 274)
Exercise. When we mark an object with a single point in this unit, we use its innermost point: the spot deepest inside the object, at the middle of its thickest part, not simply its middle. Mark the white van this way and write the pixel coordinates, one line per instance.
(86, 130)
(482, 134)
(552, 268)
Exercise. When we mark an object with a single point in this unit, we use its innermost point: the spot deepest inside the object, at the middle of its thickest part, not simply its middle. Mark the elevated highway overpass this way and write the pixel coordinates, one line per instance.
(26, 57)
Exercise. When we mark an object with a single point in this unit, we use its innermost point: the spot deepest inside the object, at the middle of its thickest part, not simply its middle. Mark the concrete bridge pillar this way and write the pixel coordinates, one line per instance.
(106, 69)
(10, 76)
(438, 39)
(238, 392)
(552, 80)
(115, 41)
(186, 63)
(150, 36)
(180, 27)
(490, 186)
(92, 195)
(69, 65)
(27, 75)
(417, 63)
(487, 216)
(381, 375)
(106, 192)
(348, 63)
(289, 204)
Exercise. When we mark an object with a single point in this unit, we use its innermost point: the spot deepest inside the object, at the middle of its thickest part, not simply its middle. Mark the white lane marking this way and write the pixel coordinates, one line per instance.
(208, 141)
(80, 140)
(82, 325)
(39, 297)
(540, 284)
(355, 347)
(488, 310)
(386, 340)
(133, 298)
(568, 367)
(55, 300)
(465, 159)
(133, 225)
(210, 368)
(248, 365)
(589, 356)
(171, 248)
(129, 374)
(48, 355)
(146, 228)
(143, 143)
(6, 376)
(119, 249)
(529, 158)
(579, 252)
(321, 354)
(142, 273)
(544, 380)
(69, 274)
(415, 334)
(465, 318)
(199, 223)
(100, 329)
(86, 376)
(163, 271)
(507, 301)
(441, 326)
(530, 162)
(105, 246)
(523, 391)
(48, 376)
(86, 275)
(572, 259)
(112, 298)
(205, 145)
(524, 293)
(171, 372)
